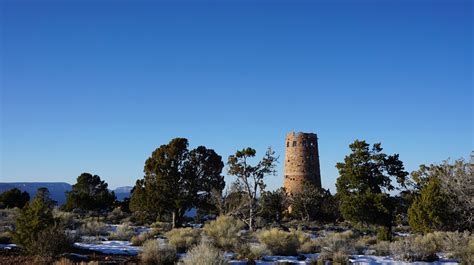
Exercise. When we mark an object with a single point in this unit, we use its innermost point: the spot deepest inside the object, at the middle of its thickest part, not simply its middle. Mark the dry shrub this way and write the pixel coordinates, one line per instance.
(307, 244)
(138, 240)
(162, 227)
(414, 248)
(51, 242)
(116, 216)
(224, 232)
(124, 232)
(155, 253)
(467, 254)
(204, 254)
(67, 219)
(382, 248)
(279, 242)
(66, 261)
(337, 246)
(93, 228)
(183, 238)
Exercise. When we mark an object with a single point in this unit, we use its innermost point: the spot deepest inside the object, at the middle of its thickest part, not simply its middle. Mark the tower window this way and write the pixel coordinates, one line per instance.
(294, 143)
(287, 144)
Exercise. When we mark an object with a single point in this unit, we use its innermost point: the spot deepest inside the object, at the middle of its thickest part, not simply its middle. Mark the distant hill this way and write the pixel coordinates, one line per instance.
(56, 189)
(123, 192)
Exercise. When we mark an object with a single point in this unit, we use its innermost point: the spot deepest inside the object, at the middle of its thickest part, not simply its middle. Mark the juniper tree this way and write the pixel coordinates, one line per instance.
(176, 180)
(364, 183)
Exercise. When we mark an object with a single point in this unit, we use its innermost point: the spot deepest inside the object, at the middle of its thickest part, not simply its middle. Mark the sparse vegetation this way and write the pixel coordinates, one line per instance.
(183, 238)
(204, 254)
(155, 253)
(224, 232)
(279, 242)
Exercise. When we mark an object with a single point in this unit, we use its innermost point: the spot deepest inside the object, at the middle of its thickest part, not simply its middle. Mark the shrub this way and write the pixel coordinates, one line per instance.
(382, 248)
(279, 242)
(123, 232)
(224, 232)
(336, 246)
(155, 253)
(204, 254)
(5, 238)
(93, 228)
(50, 242)
(67, 219)
(383, 234)
(415, 248)
(162, 227)
(66, 261)
(116, 216)
(183, 238)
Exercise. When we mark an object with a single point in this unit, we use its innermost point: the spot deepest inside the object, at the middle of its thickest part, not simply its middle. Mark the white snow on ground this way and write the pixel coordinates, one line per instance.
(7, 246)
(111, 247)
(378, 260)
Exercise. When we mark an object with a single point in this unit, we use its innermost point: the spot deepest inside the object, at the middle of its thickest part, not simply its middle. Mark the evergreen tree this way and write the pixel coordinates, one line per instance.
(13, 198)
(177, 180)
(35, 217)
(273, 205)
(430, 210)
(90, 193)
(365, 178)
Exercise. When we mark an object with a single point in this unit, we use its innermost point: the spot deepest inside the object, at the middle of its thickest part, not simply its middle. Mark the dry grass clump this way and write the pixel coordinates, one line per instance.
(66, 261)
(117, 216)
(224, 232)
(138, 240)
(155, 253)
(124, 232)
(382, 248)
(425, 247)
(204, 254)
(414, 248)
(162, 227)
(279, 242)
(93, 228)
(337, 246)
(67, 219)
(183, 238)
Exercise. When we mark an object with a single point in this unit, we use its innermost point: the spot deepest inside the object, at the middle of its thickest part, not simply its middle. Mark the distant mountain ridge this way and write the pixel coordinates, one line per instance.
(56, 189)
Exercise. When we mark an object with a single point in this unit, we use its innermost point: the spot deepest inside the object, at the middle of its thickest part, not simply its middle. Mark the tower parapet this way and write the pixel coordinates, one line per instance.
(301, 161)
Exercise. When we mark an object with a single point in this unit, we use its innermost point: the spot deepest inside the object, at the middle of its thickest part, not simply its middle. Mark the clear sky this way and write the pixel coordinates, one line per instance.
(96, 86)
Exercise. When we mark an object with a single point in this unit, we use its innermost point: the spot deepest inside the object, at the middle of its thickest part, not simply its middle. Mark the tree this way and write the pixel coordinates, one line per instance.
(273, 204)
(14, 198)
(430, 210)
(365, 178)
(443, 189)
(250, 178)
(177, 180)
(313, 203)
(90, 193)
(37, 231)
(34, 218)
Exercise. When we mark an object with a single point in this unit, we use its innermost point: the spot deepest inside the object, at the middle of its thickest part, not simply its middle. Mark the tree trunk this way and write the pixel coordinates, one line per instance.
(173, 219)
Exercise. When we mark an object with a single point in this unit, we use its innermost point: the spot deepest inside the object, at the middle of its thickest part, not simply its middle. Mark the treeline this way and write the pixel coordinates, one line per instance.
(177, 179)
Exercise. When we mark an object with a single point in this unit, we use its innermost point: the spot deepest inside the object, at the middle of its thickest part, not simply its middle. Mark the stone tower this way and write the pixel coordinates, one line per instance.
(301, 161)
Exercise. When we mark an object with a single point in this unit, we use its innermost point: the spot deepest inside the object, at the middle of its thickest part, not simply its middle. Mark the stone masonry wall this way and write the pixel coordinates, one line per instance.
(301, 161)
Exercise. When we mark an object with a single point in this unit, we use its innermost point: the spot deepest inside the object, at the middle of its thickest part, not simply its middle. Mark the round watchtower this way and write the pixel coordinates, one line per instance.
(301, 161)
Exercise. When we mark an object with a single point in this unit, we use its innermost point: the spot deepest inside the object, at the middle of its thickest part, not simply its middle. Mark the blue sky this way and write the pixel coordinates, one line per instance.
(97, 86)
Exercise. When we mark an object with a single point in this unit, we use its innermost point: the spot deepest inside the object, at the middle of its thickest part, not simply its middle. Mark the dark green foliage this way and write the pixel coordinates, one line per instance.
(313, 203)
(176, 180)
(13, 198)
(364, 182)
(273, 205)
(90, 193)
(250, 178)
(430, 210)
(36, 229)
